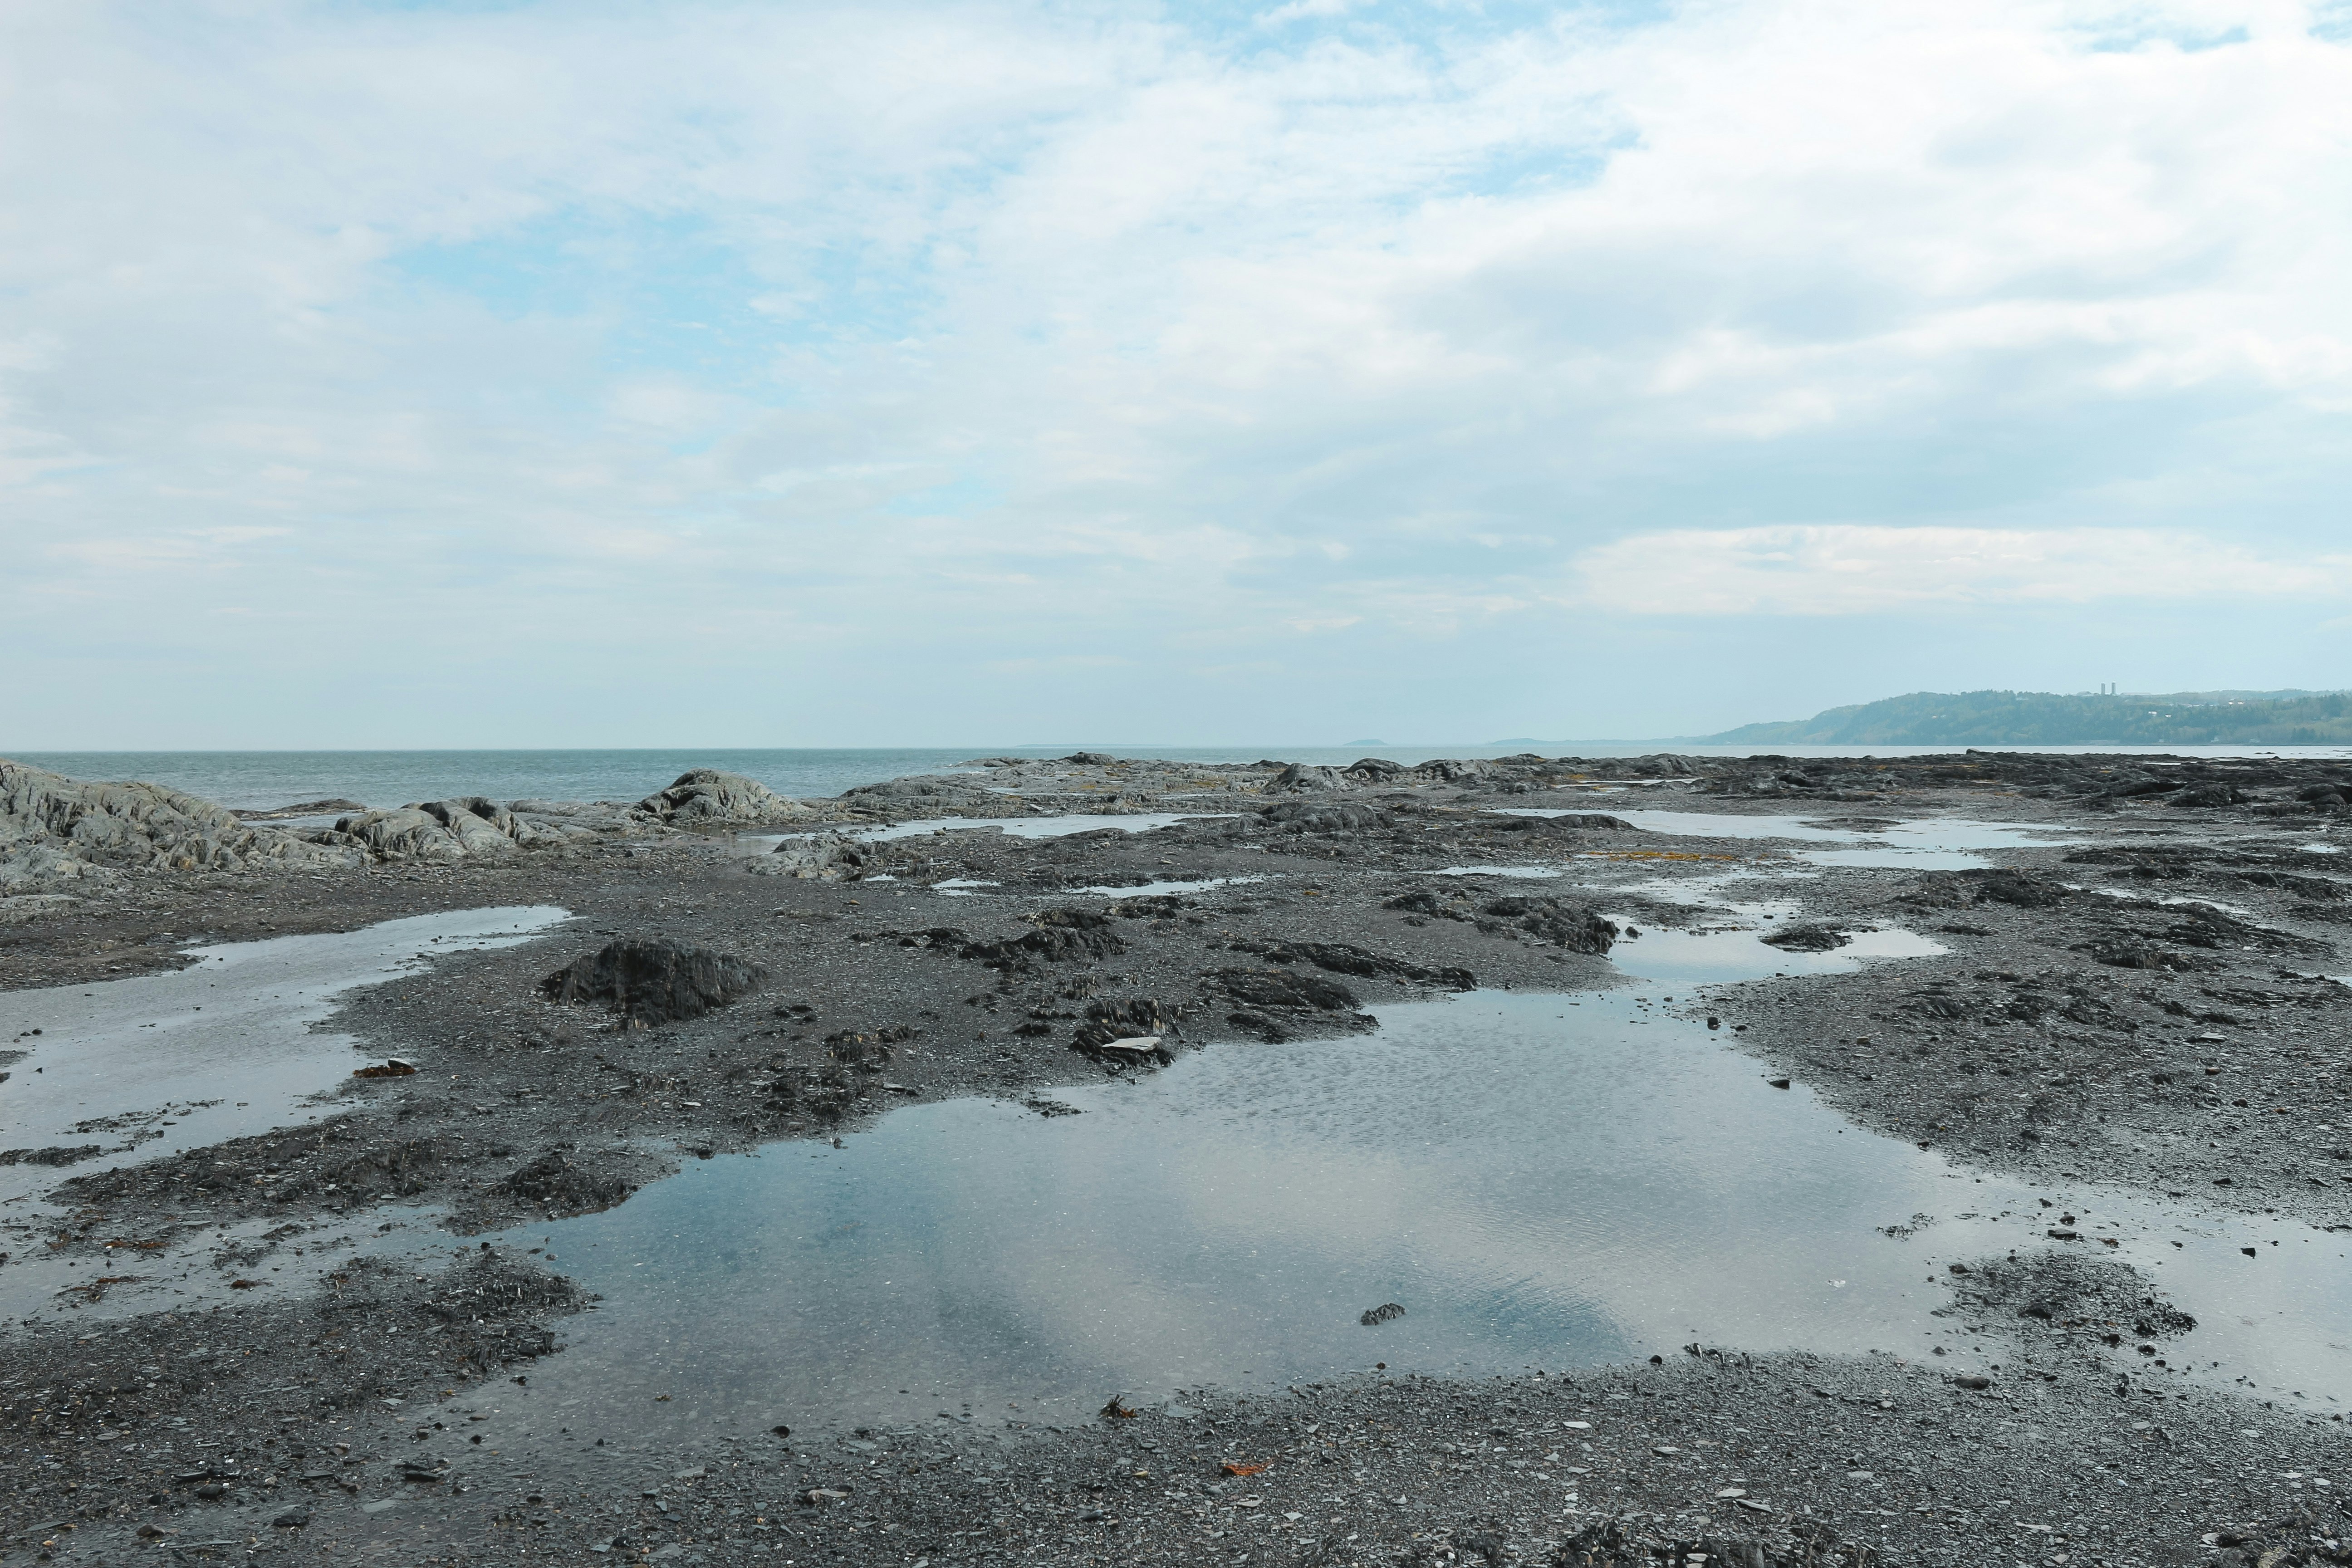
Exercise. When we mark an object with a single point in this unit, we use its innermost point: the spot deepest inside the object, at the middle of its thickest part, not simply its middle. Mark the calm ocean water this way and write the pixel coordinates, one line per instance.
(261, 780)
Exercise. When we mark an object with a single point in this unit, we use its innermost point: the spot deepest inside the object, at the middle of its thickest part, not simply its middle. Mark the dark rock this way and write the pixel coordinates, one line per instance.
(1107, 1021)
(655, 981)
(1062, 936)
(559, 1181)
(1813, 938)
(2127, 952)
(945, 792)
(1343, 958)
(59, 1155)
(868, 1049)
(1572, 926)
(1323, 816)
(2319, 888)
(2204, 926)
(1571, 822)
(1423, 902)
(2072, 1291)
(1282, 988)
(1300, 776)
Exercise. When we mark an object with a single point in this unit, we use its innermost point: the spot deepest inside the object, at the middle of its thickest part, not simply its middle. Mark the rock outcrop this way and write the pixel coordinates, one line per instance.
(1307, 776)
(657, 982)
(709, 795)
(929, 790)
(444, 830)
(826, 858)
(58, 829)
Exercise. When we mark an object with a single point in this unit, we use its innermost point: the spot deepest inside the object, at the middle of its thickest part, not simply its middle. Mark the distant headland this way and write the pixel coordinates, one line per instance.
(2049, 719)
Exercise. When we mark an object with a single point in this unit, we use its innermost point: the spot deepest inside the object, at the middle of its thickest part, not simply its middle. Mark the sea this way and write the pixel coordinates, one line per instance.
(263, 781)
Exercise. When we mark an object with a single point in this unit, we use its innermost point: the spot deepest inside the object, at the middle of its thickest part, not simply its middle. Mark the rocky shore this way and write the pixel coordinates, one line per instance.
(286, 1344)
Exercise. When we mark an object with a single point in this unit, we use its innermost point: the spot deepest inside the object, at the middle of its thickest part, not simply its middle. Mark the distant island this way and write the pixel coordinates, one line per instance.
(2047, 719)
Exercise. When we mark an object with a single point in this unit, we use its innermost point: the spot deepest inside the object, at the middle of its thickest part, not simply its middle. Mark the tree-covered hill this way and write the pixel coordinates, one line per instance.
(2046, 719)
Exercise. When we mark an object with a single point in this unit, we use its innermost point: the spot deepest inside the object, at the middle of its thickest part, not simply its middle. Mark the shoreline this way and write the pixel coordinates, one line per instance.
(2060, 1030)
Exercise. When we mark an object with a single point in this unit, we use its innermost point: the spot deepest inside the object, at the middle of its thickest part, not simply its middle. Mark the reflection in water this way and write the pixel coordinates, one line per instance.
(1532, 873)
(1039, 826)
(1922, 844)
(228, 1043)
(1012, 826)
(1716, 955)
(1538, 1179)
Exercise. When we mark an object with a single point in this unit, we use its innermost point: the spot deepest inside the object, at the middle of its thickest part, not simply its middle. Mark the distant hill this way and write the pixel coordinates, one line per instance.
(2046, 719)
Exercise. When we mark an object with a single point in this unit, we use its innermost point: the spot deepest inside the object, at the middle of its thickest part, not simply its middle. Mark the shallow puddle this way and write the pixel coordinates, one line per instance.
(1529, 873)
(158, 1063)
(1040, 826)
(963, 888)
(1016, 826)
(1718, 955)
(1922, 844)
(1537, 1179)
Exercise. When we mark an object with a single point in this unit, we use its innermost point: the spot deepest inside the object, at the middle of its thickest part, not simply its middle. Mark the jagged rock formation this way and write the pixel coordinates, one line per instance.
(445, 830)
(833, 857)
(1305, 776)
(709, 795)
(650, 983)
(55, 829)
(930, 790)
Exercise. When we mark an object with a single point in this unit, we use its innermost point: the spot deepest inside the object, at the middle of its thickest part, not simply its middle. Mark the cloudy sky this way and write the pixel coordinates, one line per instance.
(651, 374)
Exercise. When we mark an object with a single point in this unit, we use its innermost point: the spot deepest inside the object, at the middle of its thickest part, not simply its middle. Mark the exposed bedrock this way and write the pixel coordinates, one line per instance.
(709, 795)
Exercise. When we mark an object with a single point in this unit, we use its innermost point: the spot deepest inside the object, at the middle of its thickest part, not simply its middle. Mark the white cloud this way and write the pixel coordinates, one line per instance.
(890, 328)
(1301, 10)
(1856, 570)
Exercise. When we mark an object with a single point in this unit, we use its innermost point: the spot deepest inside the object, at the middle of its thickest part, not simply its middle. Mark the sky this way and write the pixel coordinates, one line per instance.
(489, 373)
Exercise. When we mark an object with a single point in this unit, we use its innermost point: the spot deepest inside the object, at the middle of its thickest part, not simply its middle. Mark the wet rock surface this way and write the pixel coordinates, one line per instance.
(2146, 1003)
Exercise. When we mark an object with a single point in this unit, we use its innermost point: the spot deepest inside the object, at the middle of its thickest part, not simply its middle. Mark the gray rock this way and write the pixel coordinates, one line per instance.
(306, 808)
(54, 828)
(831, 857)
(444, 830)
(706, 794)
(1323, 816)
(1301, 776)
(929, 789)
(26, 906)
